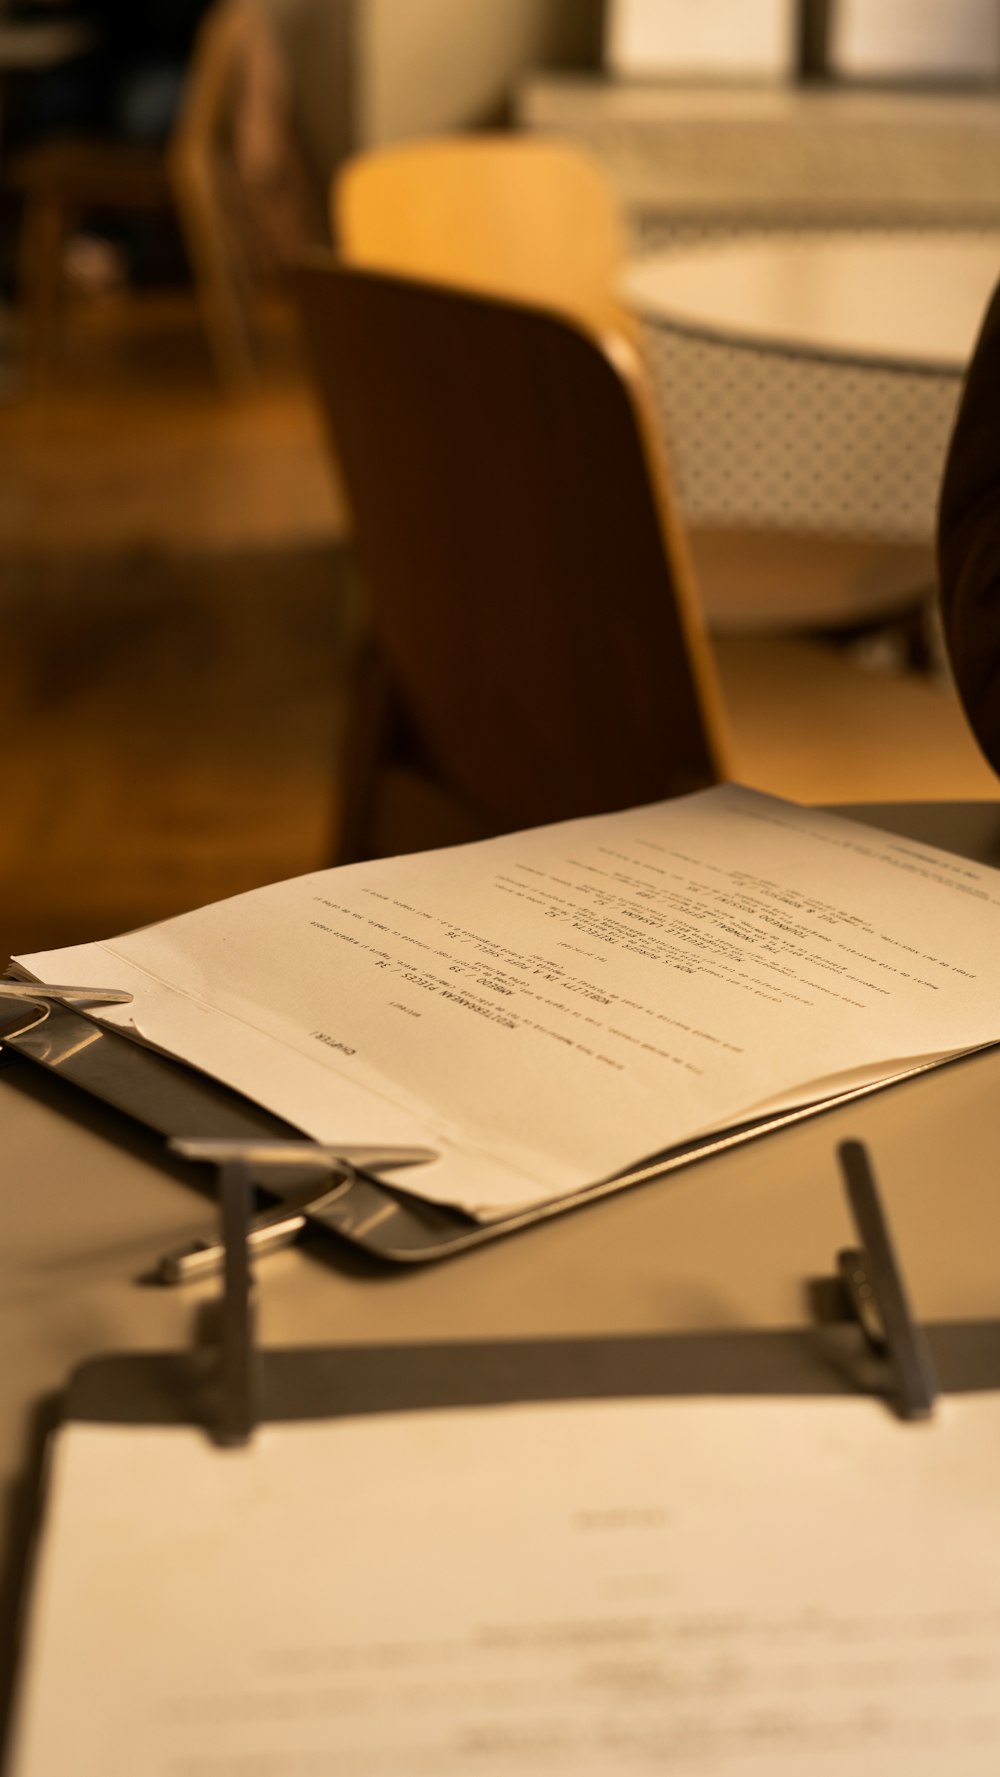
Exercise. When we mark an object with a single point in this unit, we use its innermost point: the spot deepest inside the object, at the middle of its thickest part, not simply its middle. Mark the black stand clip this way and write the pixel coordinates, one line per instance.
(872, 1281)
(229, 1320)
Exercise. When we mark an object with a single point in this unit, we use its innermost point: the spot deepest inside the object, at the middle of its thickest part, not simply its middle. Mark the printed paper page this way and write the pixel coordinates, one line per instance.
(551, 1006)
(734, 1588)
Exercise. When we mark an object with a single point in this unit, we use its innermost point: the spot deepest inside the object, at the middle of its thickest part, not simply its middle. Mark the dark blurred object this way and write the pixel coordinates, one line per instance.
(969, 540)
(128, 83)
(231, 173)
(538, 651)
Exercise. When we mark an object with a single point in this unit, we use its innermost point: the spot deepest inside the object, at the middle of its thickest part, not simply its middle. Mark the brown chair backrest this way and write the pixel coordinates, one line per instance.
(512, 215)
(533, 609)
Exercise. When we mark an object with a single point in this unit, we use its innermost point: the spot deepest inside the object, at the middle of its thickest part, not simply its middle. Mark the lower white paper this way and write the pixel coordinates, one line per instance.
(717, 1587)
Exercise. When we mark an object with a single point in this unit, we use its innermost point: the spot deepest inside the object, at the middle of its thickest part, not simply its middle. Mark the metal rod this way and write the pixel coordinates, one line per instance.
(906, 1347)
(236, 1412)
(262, 1153)
(267, 1232)
(41, 992)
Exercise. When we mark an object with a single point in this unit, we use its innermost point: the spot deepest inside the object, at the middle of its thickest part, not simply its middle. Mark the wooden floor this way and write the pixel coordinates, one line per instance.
(178, 620)
(177, 626)
(131, 443)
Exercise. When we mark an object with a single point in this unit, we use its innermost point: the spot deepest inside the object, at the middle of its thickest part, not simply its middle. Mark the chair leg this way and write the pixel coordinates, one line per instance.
(46, 227)
(207, 237)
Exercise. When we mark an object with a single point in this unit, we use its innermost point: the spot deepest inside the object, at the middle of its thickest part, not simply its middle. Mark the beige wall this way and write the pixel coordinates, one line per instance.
(429, 65)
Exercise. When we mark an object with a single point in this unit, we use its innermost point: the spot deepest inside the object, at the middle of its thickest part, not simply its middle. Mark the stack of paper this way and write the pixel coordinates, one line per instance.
(554, 1006)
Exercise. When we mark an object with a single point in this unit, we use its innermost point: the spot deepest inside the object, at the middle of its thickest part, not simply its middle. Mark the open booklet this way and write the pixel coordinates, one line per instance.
(560, 1587)
(552, 1007)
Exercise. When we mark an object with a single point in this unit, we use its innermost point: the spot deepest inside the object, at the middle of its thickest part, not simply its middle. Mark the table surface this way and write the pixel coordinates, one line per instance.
(90, 1204)
(912, 302)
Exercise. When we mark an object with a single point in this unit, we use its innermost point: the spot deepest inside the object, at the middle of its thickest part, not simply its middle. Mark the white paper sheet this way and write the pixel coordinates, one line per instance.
(730, 1588)
(549, 1007)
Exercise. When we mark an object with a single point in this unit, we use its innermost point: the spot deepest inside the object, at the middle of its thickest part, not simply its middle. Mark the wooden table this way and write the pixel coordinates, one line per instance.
(698, 163)
(89, 1203)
